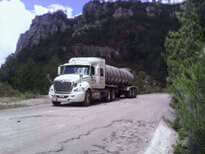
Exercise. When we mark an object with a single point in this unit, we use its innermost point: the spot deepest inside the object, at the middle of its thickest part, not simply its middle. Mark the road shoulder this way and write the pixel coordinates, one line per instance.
(13, 102)
(163, 140)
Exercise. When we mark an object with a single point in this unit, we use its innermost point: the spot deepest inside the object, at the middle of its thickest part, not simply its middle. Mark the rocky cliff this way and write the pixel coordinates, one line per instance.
(127, 34)
(43, 27)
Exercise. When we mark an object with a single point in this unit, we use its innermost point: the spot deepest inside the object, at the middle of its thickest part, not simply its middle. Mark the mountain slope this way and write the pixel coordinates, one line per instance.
(126, 34)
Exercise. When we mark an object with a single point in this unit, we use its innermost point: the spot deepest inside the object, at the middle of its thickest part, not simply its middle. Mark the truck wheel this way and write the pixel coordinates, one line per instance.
(118, 95)
(108, 98)
(56, 103)
(113, 95)
(135, 93)
(129, 94)
(88, 98)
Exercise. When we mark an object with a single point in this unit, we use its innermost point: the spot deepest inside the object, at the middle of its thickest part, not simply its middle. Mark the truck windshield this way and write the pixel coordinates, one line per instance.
(76, 69)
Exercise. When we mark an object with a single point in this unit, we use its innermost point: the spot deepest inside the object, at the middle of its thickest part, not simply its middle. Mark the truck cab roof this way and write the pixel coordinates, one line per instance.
(85, 61)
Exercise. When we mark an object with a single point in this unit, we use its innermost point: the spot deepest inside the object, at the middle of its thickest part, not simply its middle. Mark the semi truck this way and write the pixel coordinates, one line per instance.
(89, 79)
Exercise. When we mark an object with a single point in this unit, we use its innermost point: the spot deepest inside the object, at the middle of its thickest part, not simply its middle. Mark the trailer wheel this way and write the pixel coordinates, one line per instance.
(129, 94)
(134, 93)
(118, 95)
(108, 98)
(56, 103)
(88, 98)
(113, 95)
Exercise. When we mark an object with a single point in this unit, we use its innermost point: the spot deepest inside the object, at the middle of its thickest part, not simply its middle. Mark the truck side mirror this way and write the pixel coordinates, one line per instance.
(59, 70)
(92, 70)
(49, 78)
(81, 76)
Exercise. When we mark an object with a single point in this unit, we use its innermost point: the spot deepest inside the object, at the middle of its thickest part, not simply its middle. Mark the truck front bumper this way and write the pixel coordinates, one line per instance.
(68, 98)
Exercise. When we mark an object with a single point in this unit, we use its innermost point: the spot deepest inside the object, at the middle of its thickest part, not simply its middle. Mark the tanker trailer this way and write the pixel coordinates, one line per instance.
(87, 79)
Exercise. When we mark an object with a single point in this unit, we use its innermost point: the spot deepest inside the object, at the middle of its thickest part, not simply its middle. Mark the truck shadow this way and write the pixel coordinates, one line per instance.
(95, 103)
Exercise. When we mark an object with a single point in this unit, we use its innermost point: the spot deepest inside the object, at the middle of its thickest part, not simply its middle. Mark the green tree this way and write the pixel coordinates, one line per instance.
(185, 59)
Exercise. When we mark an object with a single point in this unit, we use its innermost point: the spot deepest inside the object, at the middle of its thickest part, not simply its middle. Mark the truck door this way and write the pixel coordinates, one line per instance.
(93, 77)
(100, 77)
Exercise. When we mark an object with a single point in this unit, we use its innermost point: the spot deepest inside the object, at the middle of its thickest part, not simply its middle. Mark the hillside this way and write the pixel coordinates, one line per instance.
(127, 34)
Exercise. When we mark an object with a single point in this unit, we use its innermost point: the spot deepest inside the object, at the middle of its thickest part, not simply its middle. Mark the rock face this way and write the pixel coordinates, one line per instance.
(43, 27)
(152, 11)
(121, 12)
(94, 10)
(95, 51)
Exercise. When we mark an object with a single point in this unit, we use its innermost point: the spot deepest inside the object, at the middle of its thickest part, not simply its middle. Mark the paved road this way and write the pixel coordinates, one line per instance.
(124, 126)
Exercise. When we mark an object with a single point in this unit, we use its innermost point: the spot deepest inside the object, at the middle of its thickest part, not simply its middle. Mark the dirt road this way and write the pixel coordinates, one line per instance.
(124, 126)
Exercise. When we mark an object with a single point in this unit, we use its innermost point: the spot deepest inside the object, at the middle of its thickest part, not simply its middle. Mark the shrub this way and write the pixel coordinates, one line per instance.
(186, 61)
(6, 90)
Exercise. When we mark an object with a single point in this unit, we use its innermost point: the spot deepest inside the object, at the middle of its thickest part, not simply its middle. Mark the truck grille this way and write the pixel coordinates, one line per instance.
(62, 87)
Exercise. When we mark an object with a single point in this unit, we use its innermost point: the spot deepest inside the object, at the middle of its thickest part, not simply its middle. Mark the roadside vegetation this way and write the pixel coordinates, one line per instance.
(9, 94)
(6, 91)
(146, 84)
(186, 61)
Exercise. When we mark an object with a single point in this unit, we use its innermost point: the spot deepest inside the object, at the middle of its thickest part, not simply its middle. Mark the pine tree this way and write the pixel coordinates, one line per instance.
(185, 59)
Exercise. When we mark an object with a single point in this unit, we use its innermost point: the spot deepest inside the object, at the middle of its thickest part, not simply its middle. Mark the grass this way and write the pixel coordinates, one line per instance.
(7, 91)
(10, 96)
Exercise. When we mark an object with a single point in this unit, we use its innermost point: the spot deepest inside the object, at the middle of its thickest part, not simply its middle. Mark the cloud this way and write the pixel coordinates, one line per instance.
(107, 0)
(173, 1)
(16, 19)
(164, 1)
(39, 10)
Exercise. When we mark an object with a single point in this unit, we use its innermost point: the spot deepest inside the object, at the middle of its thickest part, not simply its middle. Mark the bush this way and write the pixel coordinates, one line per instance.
(7, 91)
(145, 84)
(186, 60)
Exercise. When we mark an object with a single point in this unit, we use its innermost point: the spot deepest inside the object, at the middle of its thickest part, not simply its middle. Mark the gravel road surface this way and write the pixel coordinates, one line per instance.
(125, 126)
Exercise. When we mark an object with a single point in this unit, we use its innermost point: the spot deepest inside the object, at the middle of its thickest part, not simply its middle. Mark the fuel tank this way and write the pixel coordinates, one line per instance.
(118, 76)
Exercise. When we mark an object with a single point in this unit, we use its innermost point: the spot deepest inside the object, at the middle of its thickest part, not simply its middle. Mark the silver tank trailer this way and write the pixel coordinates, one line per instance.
(118, 76)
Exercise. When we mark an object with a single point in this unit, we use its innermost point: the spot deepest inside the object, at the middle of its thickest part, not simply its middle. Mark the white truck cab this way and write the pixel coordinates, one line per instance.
(75, 78)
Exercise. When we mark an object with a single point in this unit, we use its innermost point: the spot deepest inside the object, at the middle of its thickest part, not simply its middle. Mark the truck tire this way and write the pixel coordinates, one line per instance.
(129, 94)
(88, 98)
(113, 95)
(56, 103)
(132, 93)
(118, 94)
(108, 98)
(135, 93)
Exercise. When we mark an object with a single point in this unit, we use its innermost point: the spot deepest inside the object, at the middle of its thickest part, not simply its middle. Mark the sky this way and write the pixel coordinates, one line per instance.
(16, 17)
(76, 5)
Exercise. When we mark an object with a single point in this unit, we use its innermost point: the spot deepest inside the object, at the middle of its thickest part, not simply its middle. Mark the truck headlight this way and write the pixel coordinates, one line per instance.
(51, 91)
(75, 84)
